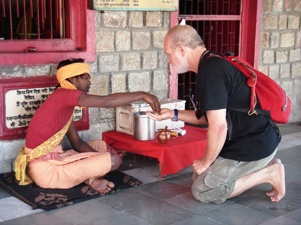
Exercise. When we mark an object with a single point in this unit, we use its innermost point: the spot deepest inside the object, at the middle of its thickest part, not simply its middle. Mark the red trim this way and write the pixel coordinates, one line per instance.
(250, 31)
(249, 42)
(80, 45)
(257, 34)
(173, 76)
(174, 19)
(24, 83)
(209, 17)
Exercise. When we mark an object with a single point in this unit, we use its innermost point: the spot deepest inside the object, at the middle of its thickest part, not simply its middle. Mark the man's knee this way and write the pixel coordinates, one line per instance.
(206, 194)
(198, 192)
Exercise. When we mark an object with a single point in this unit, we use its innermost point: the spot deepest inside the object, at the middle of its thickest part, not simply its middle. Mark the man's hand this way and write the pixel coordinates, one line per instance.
(153, 101)
(162, 115)
(199, 167)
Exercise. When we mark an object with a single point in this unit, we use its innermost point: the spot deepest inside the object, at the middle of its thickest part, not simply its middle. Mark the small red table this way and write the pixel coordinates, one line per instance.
(177, 154)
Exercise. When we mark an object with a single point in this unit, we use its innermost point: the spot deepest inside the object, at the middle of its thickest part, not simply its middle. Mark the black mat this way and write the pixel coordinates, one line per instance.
(48, 199)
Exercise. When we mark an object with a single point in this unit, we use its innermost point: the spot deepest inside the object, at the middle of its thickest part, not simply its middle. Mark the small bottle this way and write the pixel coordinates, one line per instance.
(174, 134)
(177, 133)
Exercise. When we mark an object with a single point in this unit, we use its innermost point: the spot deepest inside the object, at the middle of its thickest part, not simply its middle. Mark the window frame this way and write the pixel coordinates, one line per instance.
(81, 44)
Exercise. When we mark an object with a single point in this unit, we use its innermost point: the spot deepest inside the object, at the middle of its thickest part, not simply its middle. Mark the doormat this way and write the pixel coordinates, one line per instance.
(48, 199)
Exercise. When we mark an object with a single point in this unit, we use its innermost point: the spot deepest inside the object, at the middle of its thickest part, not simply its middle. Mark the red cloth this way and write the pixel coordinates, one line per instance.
(177, 154)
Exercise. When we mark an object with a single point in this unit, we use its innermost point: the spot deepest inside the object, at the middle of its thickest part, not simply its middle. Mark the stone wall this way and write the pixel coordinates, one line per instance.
(280, 48)
(129, 57)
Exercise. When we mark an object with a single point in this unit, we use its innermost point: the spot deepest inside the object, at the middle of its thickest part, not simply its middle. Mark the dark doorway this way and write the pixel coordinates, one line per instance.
(224, 25)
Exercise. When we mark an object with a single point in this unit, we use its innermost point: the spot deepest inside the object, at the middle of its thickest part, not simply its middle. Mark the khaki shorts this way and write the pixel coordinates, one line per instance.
(217, 183)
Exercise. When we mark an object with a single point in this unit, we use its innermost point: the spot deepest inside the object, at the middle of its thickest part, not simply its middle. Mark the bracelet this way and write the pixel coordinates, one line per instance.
(175, 117)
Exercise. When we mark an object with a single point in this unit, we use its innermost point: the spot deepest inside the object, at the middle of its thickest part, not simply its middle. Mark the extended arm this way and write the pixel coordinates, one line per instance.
(119, 99)
(188, 116)
(216, 136)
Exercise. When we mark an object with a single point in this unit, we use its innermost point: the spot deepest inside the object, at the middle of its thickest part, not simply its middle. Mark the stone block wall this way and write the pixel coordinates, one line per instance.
(129, 57)
(280, 48)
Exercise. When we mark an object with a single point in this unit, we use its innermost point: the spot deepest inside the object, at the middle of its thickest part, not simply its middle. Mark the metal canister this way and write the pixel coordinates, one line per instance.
(144, 127)
(139, 104)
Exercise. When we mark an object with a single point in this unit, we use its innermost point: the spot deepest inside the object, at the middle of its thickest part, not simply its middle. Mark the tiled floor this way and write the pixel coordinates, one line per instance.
(169, 201)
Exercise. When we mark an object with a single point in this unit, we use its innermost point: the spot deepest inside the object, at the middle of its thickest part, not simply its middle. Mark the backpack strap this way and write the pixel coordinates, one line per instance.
(252, 80)
(245, 110)
(259, 111)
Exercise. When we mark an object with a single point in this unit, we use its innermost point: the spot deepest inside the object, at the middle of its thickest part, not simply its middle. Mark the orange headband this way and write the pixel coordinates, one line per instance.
(71, 70)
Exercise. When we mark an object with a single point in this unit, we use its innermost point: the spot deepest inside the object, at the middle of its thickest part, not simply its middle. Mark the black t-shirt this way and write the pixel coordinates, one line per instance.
(220, 85)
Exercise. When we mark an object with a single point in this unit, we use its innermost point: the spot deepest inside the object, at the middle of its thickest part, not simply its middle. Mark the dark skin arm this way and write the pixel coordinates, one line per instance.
(108, 101)
(119, 99)
(77, 143)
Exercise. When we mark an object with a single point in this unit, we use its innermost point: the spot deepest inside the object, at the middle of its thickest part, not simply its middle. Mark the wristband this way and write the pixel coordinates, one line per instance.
(175, 117)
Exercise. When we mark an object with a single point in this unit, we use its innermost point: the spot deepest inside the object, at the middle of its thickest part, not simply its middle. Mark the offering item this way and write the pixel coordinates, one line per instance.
(163, 135)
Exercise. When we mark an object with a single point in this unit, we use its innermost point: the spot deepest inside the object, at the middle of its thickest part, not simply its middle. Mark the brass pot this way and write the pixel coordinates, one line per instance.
(163, 135)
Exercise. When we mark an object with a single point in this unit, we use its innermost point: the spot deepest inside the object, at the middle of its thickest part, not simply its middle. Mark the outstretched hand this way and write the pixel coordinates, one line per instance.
(199, 167)
(162, 115)
(153, 101)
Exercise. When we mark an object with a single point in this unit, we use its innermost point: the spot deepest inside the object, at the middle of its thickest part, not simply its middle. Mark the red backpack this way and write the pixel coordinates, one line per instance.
(272, 98)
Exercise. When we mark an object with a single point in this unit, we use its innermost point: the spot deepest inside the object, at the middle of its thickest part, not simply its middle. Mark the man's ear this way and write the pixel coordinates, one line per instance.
(71, 79)
(181, 49)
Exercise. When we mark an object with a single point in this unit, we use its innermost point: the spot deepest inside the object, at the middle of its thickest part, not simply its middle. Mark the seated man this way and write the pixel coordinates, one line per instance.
(43, 161)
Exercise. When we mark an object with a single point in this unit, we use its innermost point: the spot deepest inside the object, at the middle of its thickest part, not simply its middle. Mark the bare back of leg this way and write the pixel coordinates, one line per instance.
(273, 174)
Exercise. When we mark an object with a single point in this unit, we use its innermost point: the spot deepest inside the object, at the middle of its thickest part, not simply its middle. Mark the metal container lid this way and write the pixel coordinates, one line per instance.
(139, 104)
(140, 114)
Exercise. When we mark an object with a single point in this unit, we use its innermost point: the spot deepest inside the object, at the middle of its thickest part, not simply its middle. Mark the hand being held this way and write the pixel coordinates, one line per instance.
(162, 115)
(153, 101)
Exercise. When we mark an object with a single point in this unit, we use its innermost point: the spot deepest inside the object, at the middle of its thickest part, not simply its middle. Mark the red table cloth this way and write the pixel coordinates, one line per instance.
(177, 154)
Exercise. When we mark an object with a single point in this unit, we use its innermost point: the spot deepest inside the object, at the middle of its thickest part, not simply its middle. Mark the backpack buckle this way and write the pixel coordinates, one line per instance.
(252, 112)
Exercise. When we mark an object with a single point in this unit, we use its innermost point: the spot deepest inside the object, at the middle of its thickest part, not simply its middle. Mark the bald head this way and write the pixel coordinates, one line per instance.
(185, 35)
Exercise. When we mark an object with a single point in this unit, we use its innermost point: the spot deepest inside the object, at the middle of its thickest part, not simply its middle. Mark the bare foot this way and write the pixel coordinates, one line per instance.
(275, 160)
(277, 181)
(102, 186)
